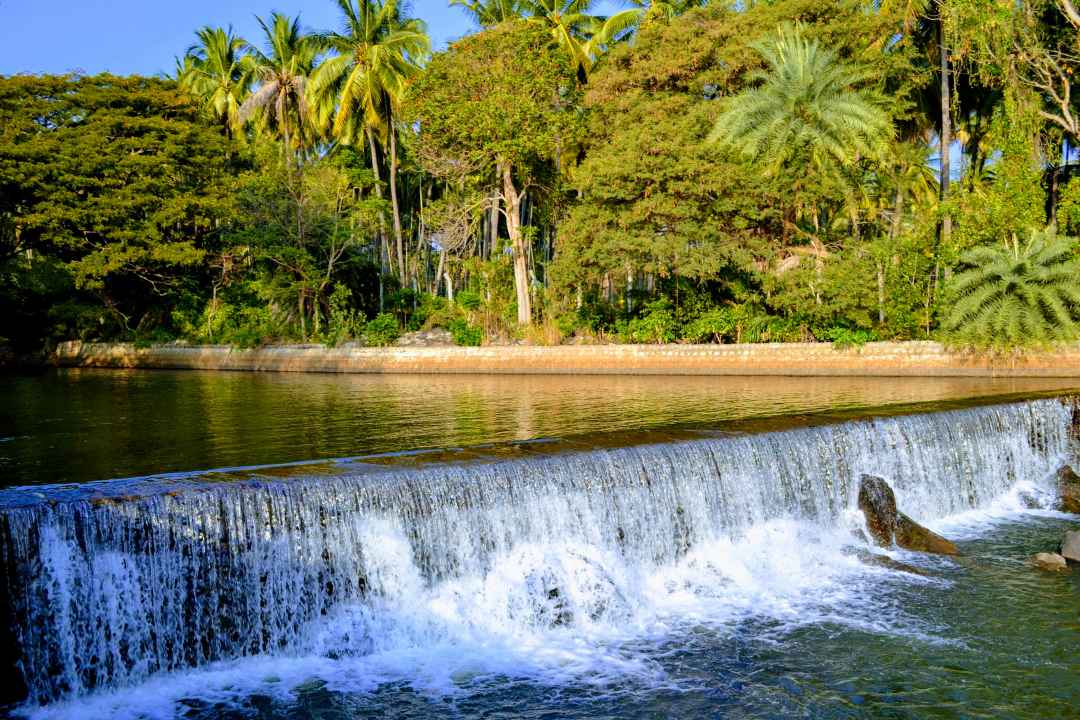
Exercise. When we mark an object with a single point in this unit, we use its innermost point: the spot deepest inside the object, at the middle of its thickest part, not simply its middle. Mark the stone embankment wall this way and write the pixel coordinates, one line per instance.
(912, 359)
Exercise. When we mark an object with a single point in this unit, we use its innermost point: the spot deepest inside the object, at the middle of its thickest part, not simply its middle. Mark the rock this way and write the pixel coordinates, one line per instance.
(1070, 546)
(435, 337)
(1029, 501)
(884, 561)
(1050, 561)
(889, 526)
(910, 535)
(1068, 490)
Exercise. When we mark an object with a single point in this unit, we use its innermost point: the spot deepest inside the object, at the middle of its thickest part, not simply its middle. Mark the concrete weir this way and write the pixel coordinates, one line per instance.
(906, 359)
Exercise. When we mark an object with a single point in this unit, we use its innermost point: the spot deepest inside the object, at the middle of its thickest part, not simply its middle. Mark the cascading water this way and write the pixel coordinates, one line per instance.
(107, 595)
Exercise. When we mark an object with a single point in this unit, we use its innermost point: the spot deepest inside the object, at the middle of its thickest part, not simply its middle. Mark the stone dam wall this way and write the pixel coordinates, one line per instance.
(907, 359)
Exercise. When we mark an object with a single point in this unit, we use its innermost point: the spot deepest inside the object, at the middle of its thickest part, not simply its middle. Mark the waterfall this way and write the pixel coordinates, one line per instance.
(104, 594)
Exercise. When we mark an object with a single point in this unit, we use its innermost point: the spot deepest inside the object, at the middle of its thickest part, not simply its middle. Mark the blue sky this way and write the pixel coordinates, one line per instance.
(144, 36)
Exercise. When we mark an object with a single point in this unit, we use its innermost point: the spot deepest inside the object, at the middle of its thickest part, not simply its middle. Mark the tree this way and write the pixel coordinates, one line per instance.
(498, 102)
(809, 113)
(217, 73)
(282, 73)
(626, 23)
(120, 186)
(489, 13)
(571, 25)
(375, 57)
(1017, 294)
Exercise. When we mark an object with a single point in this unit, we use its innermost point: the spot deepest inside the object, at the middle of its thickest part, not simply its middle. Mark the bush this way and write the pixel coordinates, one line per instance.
(382, 330)
(468, 300)
(712, 326)
(465, 334)
(656, 325)
(842, 337)
(345, 322)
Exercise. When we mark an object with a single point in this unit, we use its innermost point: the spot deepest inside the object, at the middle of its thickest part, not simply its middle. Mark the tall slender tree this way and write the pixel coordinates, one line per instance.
(572, 26)
(217, 72)
(488, 13)
(375, 55)
(625, 23)
(282, 73)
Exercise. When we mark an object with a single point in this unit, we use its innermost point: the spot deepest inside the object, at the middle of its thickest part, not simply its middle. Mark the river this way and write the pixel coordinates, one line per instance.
(567, 547)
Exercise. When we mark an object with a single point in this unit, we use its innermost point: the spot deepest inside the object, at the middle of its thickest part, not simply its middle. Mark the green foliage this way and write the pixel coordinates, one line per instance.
(292, 190)
(842, 337)
(502, 95)
(655, 325)
(1016, 295)
(117, 183)
(716, 325)
(808, 114)
(345, 321)
(464, 333)
(382, 330)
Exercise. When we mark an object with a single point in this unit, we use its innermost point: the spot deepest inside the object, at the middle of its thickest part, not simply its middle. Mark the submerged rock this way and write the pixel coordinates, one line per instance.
(1050, 561)
(1070, 546)
(884, 561)
(889, 526)
(1068, 490)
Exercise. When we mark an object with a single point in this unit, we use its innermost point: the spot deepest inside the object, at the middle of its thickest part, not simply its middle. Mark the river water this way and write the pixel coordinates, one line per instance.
(690, 547)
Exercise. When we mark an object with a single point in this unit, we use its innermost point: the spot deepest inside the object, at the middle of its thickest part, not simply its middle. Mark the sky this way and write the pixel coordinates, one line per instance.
(145, 36)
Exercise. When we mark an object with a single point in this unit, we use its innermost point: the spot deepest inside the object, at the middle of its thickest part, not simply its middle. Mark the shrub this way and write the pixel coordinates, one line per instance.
(382, 330)
(1016, 295)
(712, 326)
(656, 324)
(842, 337)
(465, 334)
(345, 322)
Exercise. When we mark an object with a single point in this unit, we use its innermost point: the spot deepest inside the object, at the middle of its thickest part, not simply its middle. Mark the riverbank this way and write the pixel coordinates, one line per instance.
(907, 359)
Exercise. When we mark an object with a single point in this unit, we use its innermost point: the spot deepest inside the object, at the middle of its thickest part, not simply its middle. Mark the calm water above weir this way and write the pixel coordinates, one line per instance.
(78, 425)
(660, 575)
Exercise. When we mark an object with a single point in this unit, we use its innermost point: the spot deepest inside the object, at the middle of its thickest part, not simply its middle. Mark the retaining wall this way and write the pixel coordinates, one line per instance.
(873, 359)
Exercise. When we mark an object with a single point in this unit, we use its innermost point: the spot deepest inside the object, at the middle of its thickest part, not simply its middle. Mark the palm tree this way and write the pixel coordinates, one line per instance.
(217, 73)
(488, 13)
(282, 73)
(375, 55)
(626, 23)
(1017, 295)
(571, 25)
(809, 112)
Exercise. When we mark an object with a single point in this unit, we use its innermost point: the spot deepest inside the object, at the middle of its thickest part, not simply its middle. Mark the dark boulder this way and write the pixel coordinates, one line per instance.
(1068, 490)
(888, 526)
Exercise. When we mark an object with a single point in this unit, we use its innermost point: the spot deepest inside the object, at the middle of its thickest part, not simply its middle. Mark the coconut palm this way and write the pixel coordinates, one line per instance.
(1017, 294)
(374, 56)
(625, 23)
(808, 113)
(571, 25)
(282, 73)
(217, 73)
(488, 13)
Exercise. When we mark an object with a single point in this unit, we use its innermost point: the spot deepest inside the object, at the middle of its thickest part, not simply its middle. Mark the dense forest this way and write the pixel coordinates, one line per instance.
(680, 171)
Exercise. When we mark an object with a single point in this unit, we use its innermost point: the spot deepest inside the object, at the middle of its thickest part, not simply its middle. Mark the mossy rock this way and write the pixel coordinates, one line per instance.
(888, 526)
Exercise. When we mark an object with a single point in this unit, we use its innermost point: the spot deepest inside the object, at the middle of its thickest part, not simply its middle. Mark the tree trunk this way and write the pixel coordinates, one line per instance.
(517, 243)
(300, 310)
(384, 254)
(881, 292)
(493, 227)
(946, 126)
(394, 202)
(898, 214)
